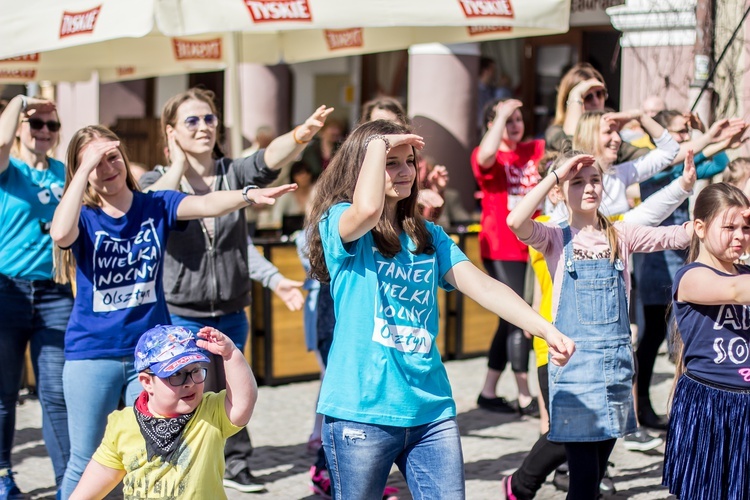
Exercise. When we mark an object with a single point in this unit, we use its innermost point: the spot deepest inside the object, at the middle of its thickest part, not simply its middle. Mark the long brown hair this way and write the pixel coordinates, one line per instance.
(574, 76)
(385, 103)
(336, 185)
(711, 201)
(169, 113)
(64, 260)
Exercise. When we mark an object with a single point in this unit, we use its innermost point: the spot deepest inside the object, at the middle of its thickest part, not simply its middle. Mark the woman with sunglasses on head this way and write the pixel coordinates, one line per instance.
(33, 308)
(206, 275)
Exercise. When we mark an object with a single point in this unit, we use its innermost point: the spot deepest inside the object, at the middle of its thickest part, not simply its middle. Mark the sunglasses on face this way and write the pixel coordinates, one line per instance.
(600, 94)
(192, 122)
(198, 376)
(38, 124)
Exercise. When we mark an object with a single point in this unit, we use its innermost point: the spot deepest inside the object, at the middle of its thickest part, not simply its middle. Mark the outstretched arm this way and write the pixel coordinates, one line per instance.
(286, 148)
(501, 300)
(219, 203)
(97, 481)
(242, 390)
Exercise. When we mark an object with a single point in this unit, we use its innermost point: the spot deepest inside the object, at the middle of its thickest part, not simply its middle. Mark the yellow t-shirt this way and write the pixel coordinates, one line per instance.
(200, 458)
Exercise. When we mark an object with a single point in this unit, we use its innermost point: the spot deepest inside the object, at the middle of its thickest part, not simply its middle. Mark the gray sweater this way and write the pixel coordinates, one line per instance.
(203, 276)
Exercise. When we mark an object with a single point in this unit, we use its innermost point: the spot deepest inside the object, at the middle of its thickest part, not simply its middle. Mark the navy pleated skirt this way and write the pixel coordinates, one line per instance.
(707, 454)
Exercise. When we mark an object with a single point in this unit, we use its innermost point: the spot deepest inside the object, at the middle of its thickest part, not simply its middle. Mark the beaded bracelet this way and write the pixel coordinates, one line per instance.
(383, 138)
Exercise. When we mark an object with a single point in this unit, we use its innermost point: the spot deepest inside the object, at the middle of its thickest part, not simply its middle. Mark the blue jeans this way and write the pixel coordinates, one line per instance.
(36, 312)
(360, 457)
(93, 390)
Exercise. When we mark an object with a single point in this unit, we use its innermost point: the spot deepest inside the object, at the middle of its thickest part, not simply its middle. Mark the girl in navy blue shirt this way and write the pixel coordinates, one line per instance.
(708, 442)
(117, 236)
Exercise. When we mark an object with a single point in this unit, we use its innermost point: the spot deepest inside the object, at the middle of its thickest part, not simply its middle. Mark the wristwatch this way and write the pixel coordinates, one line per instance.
(244, 193)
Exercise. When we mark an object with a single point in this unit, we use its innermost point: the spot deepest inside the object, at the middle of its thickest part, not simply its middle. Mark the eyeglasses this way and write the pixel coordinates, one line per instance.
(38, 124)
(198, 376)
(600, 94)
(191, 122)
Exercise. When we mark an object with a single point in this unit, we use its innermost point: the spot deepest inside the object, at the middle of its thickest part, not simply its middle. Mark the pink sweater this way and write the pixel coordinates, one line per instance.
(548, 240)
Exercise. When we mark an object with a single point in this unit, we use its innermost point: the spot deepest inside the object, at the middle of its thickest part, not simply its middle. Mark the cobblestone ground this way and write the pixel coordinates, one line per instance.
(493, 444)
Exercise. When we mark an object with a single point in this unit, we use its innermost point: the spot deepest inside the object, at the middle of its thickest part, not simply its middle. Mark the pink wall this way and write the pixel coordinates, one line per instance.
(664, 71)
(122, 100)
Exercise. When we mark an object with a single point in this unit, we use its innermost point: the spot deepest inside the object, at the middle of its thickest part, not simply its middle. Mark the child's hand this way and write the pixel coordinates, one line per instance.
(687, 181)
(570, 168)
(93, 154)
(315, 122)
(267, 196)
(215, 342)
(561, 348)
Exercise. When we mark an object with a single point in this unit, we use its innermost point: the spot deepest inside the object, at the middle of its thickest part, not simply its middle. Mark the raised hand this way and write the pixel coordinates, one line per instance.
(39, 105)
(570, 167)
(438, 178)
(410, 139)
(583, 88)
(215, 342)
(687, 181)
(504, 109)
(94, 152)
(306, 131)
(620, 118)
(177, 155)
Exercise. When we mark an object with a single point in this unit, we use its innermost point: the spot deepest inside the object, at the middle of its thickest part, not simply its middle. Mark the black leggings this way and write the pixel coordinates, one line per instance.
(587, 463)
(509, 341)
(654, 333)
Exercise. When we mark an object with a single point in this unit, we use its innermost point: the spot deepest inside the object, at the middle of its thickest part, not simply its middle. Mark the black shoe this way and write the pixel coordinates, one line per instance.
(497, 404)
(531, 409)
(561, 479)
(245, 482)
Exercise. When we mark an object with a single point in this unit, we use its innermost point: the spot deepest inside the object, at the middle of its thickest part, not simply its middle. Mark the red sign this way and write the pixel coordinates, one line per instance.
(197, 49)
(487, 8)
(75, 23)
(483, 30)
(18, 74)
(344, 39)
(264, 11)
(22, 59)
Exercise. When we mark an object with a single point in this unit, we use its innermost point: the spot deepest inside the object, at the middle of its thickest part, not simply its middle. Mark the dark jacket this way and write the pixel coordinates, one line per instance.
(205, 277)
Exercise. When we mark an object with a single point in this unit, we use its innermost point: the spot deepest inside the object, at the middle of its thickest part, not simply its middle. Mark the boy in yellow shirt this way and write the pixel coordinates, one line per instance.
(170, 444)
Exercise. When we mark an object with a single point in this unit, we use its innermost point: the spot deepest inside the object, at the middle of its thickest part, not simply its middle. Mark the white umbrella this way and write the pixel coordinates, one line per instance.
(65, 40)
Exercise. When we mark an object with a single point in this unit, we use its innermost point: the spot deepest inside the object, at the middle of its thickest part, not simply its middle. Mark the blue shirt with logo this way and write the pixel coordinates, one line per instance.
(28, 199)
(384, 367)
(119, 276)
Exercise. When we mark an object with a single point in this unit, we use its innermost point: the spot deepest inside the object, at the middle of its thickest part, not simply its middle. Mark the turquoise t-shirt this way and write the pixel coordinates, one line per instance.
(384, 367)
(28, 199)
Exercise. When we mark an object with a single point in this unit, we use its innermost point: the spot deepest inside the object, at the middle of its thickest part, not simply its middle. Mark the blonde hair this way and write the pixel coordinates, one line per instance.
(736, 171)
(575, 75)
(604, 223)
(586, 137)
(63, 257)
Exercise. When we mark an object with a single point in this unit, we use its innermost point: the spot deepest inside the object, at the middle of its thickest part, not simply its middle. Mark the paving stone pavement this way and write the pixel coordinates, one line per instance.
(493, 444)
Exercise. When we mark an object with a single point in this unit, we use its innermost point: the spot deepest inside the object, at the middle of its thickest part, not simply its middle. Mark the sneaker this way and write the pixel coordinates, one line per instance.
(531, 409)
(561, 480)
(245, 482)
(506, 493)
(8, 488)
(641, 440)
(607, 486)
(496, 404)
(320, 483)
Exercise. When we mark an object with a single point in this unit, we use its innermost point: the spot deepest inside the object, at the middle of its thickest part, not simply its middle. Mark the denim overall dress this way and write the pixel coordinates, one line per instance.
(591, 396)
